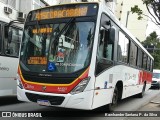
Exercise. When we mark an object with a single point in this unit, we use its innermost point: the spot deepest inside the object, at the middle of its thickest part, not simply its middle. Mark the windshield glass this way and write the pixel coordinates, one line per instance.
(60, 48)
(156, 75)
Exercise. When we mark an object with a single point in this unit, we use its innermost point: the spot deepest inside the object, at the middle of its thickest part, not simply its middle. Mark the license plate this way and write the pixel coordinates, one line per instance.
(44, 102)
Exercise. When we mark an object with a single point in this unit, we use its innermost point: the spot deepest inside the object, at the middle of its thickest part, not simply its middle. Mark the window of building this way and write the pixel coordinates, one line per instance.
(4, 1)
(12, 3)
(123, 44)
(133, 54)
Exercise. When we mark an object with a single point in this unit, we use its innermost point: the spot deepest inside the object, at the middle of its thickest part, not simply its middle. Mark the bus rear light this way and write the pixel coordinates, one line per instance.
(81, 86)
(19, 83)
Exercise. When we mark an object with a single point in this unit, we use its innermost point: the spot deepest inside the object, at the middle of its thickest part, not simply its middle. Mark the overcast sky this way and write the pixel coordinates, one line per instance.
(152, 26)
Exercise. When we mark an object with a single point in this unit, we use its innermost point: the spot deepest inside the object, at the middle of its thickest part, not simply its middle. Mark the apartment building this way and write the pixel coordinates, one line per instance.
(123, 13)
(15, 9)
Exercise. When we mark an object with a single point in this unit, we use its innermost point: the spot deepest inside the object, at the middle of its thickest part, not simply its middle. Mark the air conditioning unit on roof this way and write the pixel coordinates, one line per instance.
(21, 16)
(7, 10)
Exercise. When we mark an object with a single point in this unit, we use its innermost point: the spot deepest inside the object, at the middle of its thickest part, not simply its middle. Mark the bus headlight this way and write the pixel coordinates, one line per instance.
(81, 86)
(19, 83)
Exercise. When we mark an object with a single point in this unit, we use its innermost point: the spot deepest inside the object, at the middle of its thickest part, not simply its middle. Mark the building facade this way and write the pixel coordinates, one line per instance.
(14, 9)
(135, 26)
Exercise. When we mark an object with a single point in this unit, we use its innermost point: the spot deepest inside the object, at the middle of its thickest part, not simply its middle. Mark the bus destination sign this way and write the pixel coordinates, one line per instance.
(63, 11)
(74, 12)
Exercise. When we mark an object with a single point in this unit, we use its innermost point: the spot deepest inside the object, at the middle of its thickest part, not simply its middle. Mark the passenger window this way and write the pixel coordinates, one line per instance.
(144, 61)
(105, 49)
(151, 66)
(139, 59)
(133, 54)
(123, 44)
(148, 63)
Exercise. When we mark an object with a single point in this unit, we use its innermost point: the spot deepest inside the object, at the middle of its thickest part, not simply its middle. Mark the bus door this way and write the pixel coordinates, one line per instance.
(104, 61)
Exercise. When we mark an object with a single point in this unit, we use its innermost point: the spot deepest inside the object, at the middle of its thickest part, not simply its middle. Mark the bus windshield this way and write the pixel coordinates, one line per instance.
(51, 48)
(58, 39)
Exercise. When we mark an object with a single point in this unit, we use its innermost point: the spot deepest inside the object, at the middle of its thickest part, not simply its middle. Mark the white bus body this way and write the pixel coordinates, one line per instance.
(8, 61)
(101, 83)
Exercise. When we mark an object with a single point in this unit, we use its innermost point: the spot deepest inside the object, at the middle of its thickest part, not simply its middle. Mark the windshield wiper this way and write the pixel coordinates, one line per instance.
(59, 34)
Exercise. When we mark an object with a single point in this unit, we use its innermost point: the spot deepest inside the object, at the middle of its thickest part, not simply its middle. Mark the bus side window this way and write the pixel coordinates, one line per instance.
(144, 61)
(151, 65)
(105, 48)
(101, 44)
(140, 58)
(122, 49)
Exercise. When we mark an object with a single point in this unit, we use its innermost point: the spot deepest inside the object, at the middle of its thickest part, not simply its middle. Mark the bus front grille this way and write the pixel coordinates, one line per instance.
(54, 100)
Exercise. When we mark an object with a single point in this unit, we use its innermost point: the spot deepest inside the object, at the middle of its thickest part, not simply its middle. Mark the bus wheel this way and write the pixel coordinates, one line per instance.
(140, 95)
(111, 106)
(158, 86)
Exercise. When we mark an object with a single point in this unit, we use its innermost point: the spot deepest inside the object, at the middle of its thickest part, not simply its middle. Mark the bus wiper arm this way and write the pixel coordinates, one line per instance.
(67, 24)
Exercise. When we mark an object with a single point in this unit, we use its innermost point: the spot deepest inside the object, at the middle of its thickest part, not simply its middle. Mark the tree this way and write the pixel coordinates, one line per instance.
(151, 40)
(152, 43)
(153, 7)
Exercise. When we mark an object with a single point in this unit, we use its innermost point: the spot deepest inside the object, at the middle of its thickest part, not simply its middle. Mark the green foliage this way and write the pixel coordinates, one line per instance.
(153, 40)
(156, 56)
(152, 6)
(137, 10)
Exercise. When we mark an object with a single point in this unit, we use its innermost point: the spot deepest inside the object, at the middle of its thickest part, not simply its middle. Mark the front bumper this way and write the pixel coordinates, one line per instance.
(155, 85)
(77, 101)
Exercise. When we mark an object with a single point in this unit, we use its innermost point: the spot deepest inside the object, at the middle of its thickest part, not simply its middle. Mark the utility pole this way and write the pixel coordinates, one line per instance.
(127, 18)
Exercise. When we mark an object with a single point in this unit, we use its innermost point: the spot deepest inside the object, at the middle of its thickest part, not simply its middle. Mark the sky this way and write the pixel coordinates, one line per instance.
(152, 26)
(51, 2)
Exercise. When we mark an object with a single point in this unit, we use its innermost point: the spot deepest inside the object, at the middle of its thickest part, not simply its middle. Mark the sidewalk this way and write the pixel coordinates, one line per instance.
(156, 100)
(153, 105)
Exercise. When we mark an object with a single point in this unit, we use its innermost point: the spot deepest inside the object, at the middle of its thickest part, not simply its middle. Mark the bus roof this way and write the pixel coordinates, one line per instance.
(65, 4)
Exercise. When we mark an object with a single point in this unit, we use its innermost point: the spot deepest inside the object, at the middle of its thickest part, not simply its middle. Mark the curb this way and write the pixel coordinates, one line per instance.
(155, 102)
(147, 101)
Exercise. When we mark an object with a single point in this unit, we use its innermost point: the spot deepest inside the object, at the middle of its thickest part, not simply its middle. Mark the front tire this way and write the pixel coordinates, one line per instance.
(111, 106)
(158, 86)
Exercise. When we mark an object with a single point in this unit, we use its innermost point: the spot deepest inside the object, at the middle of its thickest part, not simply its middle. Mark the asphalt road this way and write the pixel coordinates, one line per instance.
(11, 103)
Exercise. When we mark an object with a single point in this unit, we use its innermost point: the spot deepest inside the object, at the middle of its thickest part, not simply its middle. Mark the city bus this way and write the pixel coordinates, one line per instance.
(79, 56)
(9, 57)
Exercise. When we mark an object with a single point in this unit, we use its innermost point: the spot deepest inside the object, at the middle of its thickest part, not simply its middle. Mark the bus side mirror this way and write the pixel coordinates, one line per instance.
(112, 34)
(10, 36)
(6, 31)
